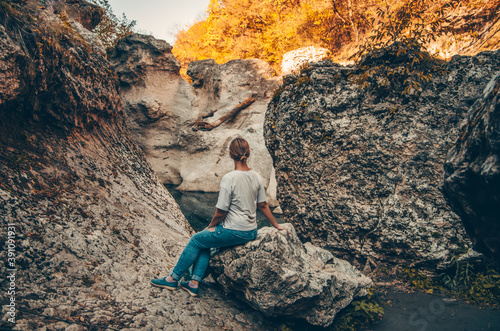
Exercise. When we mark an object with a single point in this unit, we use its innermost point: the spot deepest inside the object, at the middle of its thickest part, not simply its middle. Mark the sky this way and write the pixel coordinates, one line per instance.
(161, 18)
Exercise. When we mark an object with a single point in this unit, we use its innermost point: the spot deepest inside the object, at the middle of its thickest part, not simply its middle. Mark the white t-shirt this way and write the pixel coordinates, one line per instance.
(239, 194)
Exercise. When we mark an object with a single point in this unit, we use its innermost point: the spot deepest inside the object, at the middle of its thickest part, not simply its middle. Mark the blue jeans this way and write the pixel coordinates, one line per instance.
(197, 251)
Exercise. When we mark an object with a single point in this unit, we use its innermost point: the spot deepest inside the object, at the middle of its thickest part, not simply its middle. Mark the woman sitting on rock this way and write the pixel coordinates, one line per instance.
(234, 223)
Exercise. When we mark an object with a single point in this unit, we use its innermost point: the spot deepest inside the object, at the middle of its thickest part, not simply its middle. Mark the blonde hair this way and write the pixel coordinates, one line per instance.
(239, 149)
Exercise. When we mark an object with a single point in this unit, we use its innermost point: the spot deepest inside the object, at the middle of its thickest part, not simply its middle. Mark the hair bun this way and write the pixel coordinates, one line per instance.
(239, 149)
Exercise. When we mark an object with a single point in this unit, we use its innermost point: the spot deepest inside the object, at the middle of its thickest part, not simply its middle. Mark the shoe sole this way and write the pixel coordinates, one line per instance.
(165, 286)
(190, 293)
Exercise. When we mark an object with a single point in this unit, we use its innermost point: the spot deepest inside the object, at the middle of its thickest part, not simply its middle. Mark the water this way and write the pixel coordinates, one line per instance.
(199, 208)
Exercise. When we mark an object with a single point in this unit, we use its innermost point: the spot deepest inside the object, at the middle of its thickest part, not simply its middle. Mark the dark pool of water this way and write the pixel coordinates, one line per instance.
(199, 208)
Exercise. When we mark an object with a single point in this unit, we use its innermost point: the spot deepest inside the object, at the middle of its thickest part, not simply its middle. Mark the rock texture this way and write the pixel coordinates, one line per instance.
(472, 172)
(359, 172)
(279, 276)
(87, 14)
(162, 110)
(294, 60)
(89, 221)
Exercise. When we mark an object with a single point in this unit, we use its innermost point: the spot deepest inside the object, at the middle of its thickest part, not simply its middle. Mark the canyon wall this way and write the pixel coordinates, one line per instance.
(168, 116)
(472, 172)
(88, 222)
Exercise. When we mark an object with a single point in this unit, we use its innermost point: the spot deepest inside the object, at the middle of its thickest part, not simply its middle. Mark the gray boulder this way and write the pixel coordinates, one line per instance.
(359, 171)
(472, 172)
(279, 276)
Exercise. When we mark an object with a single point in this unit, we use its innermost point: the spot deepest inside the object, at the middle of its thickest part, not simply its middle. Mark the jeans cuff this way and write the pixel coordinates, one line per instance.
(197, 278)
(175, 276)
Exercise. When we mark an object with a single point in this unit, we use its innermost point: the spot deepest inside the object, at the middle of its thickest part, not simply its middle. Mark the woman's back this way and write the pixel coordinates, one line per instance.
(240, 191)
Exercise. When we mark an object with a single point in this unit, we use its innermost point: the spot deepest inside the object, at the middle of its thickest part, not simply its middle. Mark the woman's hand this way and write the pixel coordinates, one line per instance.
(218, 217)
(280, 227)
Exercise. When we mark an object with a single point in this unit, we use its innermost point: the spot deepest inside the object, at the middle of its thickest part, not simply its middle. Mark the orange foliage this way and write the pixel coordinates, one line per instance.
(266, 29)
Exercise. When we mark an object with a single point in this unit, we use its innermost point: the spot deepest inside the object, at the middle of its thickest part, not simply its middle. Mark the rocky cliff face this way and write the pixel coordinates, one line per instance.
(359, 172)
(472, 172)
(165, 112)
(82, 212)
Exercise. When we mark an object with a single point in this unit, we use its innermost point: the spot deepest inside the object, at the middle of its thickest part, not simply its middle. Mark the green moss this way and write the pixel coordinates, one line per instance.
(359, 315)
(277, 93)
(481, 288)
(303, 104)
(420, 281)
(304, 80)
(460, 251)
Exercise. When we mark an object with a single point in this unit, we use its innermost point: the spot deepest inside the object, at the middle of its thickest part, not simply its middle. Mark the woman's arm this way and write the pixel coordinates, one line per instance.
(264, 208)
(218, 217)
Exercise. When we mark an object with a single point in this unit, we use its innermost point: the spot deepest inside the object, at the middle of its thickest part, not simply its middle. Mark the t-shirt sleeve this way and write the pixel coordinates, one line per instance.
(224, 200)
(261, 195)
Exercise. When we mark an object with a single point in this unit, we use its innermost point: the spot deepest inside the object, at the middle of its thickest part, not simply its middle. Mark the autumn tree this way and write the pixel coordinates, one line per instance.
(112, 28)
(266, 29)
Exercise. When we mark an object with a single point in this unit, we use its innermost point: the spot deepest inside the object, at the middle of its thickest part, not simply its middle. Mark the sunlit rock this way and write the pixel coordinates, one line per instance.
(294, 60)
(164, 112)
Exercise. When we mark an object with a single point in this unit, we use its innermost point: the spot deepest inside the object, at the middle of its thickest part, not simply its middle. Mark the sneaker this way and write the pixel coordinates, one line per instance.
(193, 291)
(162, 282)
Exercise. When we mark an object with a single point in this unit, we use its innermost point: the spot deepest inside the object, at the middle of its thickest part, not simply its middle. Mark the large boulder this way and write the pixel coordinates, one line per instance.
(164, 112)
(472, 172)
(279, 276)
(359, 170)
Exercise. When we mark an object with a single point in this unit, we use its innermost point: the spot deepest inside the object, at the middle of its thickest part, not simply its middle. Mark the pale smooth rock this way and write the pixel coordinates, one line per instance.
(162, 109)
(294, 60)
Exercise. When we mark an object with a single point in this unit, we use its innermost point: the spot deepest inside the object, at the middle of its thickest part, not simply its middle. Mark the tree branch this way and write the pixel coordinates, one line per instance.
(205, 126)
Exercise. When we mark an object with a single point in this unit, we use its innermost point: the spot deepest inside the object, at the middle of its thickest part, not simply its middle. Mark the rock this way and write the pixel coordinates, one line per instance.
(91, 38)
(88, 14)
(294, 60)
(359, 172)
(10, 75)
(90, 220)
(136, 55)
(472, 172)
(205, 75)
(279, 276)
(162, 110)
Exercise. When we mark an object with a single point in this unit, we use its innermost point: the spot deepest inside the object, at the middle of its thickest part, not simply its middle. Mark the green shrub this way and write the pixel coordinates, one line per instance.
(481, 287)
(361, 313)
(395, 59)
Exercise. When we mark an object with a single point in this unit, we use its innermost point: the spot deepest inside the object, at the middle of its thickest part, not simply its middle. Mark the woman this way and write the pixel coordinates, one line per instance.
(234, 223)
